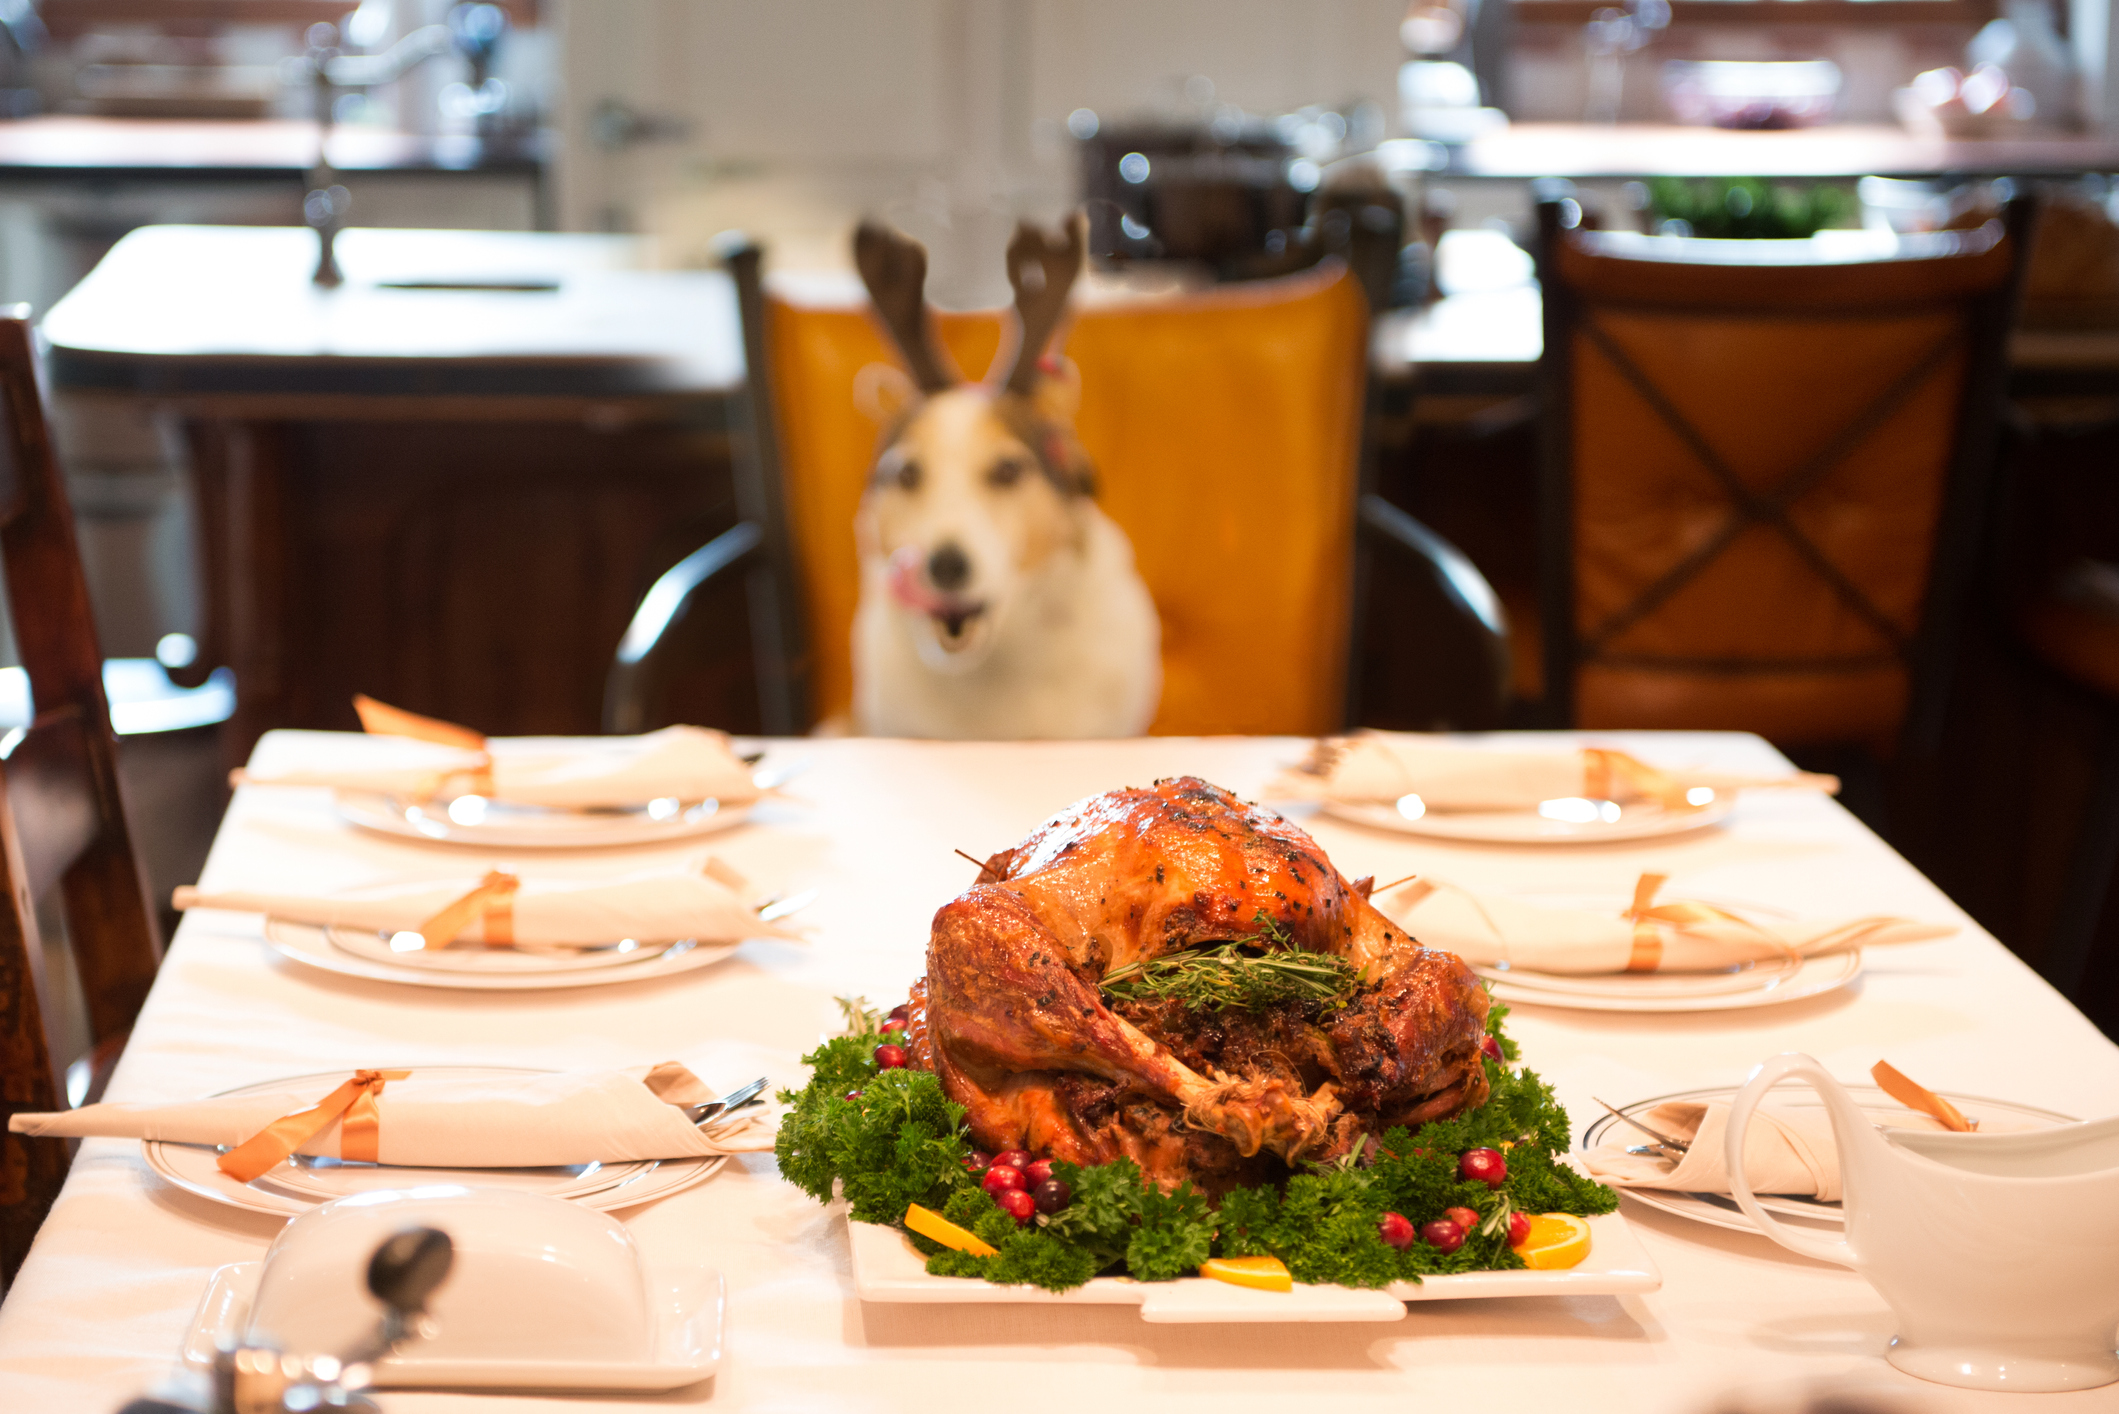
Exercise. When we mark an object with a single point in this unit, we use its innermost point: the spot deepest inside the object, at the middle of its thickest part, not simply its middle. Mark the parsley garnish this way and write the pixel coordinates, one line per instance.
(901, 1141)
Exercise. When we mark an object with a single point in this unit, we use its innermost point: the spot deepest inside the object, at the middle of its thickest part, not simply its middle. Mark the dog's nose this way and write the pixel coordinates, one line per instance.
(948, 568)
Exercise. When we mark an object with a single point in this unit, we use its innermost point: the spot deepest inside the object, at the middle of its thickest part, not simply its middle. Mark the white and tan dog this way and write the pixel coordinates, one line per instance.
(997, 601)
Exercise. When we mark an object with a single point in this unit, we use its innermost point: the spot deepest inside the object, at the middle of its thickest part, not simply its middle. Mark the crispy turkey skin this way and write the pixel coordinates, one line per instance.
(1012, 1019)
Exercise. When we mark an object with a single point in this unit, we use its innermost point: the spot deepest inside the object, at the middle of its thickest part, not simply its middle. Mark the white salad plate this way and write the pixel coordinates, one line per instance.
(493, 824)
(1720, 1210)
(888, 1268)
(302, 1183)
(348, 952)
(1557, 822)
(688, 1308)
(1765, 984)
(476, 959)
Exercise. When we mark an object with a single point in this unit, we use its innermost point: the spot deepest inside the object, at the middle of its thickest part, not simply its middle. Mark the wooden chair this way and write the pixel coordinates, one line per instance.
(1764, 476)
(1226, 428)
(62, 821)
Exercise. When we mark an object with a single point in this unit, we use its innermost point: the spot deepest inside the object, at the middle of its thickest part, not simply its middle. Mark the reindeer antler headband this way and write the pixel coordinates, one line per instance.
(1041, 271)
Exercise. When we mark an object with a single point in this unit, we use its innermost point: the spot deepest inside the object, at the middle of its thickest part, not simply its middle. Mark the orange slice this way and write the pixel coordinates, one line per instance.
(930, 1224)
(1555, 1241)
(1261, 1273)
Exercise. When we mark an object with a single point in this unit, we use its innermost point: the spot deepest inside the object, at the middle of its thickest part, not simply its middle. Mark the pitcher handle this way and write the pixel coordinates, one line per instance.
(1781, 1067)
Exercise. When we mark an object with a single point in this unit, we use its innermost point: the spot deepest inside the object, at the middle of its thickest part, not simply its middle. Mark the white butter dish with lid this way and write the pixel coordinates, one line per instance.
(543, 1294)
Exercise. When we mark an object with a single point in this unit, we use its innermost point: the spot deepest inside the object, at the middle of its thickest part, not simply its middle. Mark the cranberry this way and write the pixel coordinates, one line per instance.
(1013, 1158)
(1016, 1204)
(1518, 1229)
(853, 1094)
(1442, 1235)
(901, 1013)
(1002, 1179)
(1052, 1195)
(893, 1023)
(1490, 1047)
(977, 1161)
(1396, 1229)
(1462, 1217)
(889, 1057)
(1039, 1171)
(1483, 1166)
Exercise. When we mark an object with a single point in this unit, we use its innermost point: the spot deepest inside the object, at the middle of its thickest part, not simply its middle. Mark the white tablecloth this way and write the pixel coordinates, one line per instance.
(97, 1312)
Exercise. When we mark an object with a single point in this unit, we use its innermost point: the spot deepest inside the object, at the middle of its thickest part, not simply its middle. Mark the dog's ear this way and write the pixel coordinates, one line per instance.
(1058, 394)
(884, 394)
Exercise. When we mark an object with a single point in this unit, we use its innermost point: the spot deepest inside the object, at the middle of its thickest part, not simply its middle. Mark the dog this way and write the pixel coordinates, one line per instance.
(997, 601)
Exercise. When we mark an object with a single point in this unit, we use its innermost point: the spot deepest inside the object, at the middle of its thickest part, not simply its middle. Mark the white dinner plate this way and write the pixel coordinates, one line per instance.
(1641, 820)
(888, 1268)
(316, 946)
(496, 825)
(688, 1305)
(476, 959)
(1764, 985)
(299, 1185)
(1720, 1210)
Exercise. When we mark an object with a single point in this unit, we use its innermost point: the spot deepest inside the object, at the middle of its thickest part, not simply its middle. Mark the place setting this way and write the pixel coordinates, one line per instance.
(603, 1139)
(1489, 791)
(1646, 953)
(419, 778)
(519, 929)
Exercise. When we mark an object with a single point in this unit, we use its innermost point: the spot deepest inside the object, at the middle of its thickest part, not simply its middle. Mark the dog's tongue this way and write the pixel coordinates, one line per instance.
(909, 588)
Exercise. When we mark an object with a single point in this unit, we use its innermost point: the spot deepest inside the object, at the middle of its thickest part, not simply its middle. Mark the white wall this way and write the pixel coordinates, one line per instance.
(942, 115)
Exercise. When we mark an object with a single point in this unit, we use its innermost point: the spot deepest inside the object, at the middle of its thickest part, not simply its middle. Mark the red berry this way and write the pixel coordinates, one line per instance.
(1462, 1217)
(853, 1094)
(889, 1057)
(1490, 1047)
(1442, 1235)
(901, 1013)
(1038, 1171)
(1002, 1179)
(1483, 1166)
(1052, 1195)
(1016, 1204)
(1013, 1158)
(894, 1023)
(977, 1161)
(1396, 1229)
(1518, 1229)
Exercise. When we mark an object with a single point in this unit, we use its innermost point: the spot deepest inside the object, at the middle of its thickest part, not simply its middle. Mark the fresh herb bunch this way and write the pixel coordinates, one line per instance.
(1225, 977)
(890, 1138)
(1745, 207)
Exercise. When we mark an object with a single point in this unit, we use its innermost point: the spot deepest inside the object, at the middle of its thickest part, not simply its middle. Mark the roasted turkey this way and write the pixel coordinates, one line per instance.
(1013, 1019)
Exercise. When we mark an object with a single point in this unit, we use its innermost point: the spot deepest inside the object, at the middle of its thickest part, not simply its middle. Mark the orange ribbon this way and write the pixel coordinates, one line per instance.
(381, 719)
(1616, 775)
(494, 898)
(360, 1135)
(1647, 953)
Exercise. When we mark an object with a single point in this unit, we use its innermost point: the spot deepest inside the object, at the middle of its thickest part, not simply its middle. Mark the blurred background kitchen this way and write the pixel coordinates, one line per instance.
(328, 453)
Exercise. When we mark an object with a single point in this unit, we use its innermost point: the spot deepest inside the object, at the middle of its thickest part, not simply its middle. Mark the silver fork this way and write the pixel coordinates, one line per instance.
(751, 1094)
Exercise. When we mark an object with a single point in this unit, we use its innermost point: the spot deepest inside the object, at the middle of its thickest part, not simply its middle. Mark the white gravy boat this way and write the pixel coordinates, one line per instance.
(1999, 1253)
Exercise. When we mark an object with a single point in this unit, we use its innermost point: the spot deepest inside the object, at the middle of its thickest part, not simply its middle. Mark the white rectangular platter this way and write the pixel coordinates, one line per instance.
(887, 1267)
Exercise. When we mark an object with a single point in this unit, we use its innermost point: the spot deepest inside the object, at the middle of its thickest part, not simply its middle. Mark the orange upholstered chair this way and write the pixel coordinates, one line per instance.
(1765, 471)
(1225, 427)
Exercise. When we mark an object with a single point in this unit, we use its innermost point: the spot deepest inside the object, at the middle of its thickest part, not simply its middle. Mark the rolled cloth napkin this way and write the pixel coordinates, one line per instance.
(1681, 936)
(1447, 774)
(509, 1121)
(705, 899)
(427, 759)
(1786, 1150)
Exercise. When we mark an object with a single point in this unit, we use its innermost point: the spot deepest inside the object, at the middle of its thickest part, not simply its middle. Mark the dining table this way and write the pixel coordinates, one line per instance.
(873, 827)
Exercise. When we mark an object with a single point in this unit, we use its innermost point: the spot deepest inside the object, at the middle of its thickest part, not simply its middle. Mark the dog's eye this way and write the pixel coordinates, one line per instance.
(906, 473)
(1005, 473)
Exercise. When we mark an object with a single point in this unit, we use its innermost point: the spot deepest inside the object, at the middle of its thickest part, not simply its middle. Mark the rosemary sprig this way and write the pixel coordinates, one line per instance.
(1225, 977)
